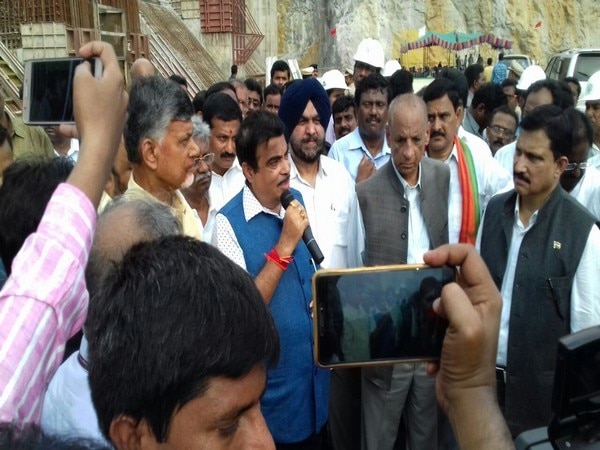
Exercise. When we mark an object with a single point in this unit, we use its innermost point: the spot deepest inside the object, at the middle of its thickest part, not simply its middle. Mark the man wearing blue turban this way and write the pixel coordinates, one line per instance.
(332, 208)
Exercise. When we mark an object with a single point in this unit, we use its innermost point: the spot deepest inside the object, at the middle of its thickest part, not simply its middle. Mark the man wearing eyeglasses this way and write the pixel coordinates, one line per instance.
(541, 248)
(502, 127)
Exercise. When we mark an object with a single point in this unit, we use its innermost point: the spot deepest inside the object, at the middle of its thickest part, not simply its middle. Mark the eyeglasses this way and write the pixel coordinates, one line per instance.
(502, 131)
(207, 159)
(572, 166)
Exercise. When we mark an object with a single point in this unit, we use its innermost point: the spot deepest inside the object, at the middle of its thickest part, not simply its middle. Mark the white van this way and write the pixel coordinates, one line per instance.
(580, 63)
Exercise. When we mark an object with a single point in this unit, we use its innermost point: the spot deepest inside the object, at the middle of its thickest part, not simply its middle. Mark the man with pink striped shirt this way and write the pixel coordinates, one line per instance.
(44, 301)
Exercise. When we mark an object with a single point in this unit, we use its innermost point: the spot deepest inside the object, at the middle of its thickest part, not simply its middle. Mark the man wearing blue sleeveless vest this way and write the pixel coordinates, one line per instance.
(541, 247)
(257, 233)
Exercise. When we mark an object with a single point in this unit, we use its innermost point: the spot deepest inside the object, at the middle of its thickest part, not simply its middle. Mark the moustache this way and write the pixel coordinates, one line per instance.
(521, 177)
(437, 133)
(202, 177)
(227, 155)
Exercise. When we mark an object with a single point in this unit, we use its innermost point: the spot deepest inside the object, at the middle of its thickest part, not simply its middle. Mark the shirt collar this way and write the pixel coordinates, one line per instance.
(355, 142)
(252, 206)
(405, 184)
(294, 174)
(532, 219)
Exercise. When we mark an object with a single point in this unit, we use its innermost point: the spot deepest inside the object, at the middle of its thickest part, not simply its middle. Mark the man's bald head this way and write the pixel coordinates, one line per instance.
(141, 68)
(408, 102)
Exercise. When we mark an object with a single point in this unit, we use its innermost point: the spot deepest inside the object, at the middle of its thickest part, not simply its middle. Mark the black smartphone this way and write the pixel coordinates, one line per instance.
(378, 315)
(48, 89)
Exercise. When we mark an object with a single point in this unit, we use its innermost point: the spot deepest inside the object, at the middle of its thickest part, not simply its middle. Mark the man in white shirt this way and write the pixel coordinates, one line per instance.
(542, 92)
(581, 179)
(224, 117)
(541, 248)
(474, 174)
(365, 150)
(158, 139)
(332, 209)
(591, 97)
(405, 211)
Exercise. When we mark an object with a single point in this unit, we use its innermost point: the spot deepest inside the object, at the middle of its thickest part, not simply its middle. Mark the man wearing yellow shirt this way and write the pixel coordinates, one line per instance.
(159, 144)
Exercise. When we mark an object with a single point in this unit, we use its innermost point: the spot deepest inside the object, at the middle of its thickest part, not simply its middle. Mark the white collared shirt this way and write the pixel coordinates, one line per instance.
(68, 408)
(506, 156)
(585, 294)
(224, 187)
(587, 191)
(350, 150)
(73, 152)
(418, 238)
(491, 179)
(207, 229)
(332, 209)
(223, 236)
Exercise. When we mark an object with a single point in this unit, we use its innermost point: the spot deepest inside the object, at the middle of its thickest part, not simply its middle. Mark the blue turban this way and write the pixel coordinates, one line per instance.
(296, 98)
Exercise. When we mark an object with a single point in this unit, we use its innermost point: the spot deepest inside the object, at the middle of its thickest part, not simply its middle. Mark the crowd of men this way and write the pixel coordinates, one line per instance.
(199, 330)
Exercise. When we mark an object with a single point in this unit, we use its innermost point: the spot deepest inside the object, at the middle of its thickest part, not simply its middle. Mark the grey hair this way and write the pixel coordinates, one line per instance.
(154, 102)
(150, 220)
(201, 131)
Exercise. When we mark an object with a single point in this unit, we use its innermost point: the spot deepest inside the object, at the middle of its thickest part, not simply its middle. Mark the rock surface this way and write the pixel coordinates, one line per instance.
(328, 31)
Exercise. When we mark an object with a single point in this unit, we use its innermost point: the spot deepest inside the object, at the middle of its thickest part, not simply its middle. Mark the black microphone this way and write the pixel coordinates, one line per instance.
(307, 236)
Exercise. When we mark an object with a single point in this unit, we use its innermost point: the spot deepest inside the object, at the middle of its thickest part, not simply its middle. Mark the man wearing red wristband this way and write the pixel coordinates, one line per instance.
(257, 233)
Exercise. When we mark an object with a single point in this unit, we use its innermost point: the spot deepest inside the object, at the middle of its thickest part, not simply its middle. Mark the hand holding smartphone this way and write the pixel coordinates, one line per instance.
(48, 89)
(378, 315)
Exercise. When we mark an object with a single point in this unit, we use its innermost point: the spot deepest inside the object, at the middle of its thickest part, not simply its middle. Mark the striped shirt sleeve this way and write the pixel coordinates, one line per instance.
(43, 303)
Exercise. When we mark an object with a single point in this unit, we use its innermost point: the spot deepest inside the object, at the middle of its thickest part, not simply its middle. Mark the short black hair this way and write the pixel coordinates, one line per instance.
(504, 110)
(489, 61)
(401, 82)
(252, 85)
(154, 102)
(583, 131)
(258, 128)
(373, 82)
(561, 92)
(472, 73)
(198, 101)
(440, 87)
(220, 106)
(25, 192)
(460, 82)
(234, 69)
(342, 103)
(509, 82)
(172, 315)
(490, 95)
(576, 82)
(219, 87)
(272, 90)
(501, 56)
(178, 79)
(280, 66)
(553, 121)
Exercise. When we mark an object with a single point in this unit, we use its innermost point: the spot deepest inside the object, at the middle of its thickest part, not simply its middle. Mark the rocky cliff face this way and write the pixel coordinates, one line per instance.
(306, 28)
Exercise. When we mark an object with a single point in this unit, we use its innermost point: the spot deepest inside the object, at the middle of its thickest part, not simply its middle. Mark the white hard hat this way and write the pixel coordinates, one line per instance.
(530, 75)
(370, 51)
(391, 67)
(592, 88)
(333, 79)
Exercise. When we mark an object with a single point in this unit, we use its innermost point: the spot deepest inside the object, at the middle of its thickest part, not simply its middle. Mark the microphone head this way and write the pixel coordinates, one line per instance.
(286, 198)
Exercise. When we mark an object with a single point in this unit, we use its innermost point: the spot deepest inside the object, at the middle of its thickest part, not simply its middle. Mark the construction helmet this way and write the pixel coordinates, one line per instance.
(592, 88)
(333, 79)
(391, 67)
(370, 51)
(530, 75)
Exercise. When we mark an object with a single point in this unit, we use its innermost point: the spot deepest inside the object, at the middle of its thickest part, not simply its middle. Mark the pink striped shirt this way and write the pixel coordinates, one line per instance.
(43, 303)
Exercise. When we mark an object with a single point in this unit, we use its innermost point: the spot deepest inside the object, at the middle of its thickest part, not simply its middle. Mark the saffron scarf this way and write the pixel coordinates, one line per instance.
(469, 190)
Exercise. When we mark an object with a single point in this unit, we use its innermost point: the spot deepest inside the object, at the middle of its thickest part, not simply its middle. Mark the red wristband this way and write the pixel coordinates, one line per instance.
(281, 261)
